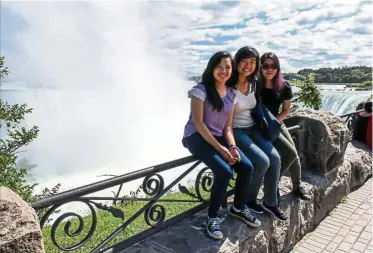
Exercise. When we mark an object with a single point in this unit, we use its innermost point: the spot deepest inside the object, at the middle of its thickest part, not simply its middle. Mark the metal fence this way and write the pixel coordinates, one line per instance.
(350, 118)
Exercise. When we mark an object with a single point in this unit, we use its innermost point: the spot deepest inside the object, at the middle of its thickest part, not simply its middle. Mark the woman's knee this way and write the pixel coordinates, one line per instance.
(222, 173)
(261, 162)
(291, 155)
(275, 159)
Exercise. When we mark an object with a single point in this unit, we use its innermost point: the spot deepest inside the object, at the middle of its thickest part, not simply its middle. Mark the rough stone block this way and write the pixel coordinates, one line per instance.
(322, 140)
(19, 226)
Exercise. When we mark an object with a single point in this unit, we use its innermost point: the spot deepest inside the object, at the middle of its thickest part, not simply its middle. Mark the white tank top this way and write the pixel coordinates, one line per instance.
(242, 111)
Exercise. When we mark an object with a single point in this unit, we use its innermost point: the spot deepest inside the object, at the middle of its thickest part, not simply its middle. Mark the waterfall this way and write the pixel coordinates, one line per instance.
(341, 102)
(338, 99)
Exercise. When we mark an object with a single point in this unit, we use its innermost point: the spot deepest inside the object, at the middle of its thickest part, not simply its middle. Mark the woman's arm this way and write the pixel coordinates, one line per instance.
(285, 110)
(228, 130)
(197, 115)
(229, 137)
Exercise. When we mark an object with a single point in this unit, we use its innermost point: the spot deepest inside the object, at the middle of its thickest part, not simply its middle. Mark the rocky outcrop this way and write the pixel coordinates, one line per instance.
(321, 141)
(360, 162)
(341, 168)
(19, 226)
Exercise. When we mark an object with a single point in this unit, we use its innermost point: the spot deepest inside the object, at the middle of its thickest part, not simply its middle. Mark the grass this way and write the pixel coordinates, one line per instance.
(106, 224)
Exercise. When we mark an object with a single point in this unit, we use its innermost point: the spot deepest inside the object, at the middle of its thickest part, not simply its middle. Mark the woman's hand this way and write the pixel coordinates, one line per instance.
(235, 154)
(279, 120)
(225, 153)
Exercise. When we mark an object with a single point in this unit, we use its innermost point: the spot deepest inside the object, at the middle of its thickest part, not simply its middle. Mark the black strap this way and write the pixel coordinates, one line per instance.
(258, 93)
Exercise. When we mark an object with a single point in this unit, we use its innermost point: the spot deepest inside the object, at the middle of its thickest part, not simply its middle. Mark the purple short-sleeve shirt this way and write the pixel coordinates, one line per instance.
(214, 120)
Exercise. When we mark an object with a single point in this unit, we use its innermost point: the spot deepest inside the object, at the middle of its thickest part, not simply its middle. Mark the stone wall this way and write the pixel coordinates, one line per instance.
(19, 226)
(273, 236)
(332, 168)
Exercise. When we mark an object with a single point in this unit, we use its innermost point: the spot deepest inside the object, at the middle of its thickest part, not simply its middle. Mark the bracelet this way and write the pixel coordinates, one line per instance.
(232, 147)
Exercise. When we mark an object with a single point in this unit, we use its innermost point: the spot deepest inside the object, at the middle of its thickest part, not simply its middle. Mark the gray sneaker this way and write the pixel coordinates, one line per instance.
(246, 216)
(213, 228)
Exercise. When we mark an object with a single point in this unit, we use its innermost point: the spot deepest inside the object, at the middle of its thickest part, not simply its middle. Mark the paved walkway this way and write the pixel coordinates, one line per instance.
(348, 228)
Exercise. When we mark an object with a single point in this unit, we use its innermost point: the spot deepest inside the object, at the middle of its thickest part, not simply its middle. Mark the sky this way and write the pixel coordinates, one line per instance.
(184, 35)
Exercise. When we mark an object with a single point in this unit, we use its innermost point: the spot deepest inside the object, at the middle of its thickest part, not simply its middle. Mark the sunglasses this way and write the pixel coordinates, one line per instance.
(269, 66)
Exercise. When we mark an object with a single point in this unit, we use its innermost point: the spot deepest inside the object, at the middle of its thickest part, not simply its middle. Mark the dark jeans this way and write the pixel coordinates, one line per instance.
(266, 161)
(289, 155)
(223, 172)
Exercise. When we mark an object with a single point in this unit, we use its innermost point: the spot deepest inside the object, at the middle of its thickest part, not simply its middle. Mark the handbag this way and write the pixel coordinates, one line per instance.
(268, 125)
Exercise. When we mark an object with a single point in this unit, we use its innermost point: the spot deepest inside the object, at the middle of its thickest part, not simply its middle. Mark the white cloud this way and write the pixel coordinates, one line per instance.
(278, 28)
(172, 27)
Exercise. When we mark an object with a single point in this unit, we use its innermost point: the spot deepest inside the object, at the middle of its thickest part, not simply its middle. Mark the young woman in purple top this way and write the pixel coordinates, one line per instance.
(208, 136)
(276, 93)
(259, 150)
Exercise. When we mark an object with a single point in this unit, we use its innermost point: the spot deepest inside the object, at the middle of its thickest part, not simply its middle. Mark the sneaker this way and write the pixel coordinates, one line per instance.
(277, 212)
(255, 207)
(246, 216)
(213, 228)
(301, 192)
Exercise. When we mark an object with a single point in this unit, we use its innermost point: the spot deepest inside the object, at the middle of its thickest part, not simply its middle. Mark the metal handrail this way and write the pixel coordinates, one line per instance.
(107, 183)
(351, 113)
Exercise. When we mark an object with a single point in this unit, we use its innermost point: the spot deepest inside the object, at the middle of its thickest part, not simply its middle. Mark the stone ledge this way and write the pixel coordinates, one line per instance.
(19, 226)
(189, 236)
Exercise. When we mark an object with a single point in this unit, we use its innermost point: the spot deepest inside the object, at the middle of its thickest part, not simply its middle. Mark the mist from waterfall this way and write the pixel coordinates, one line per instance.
(106, 100)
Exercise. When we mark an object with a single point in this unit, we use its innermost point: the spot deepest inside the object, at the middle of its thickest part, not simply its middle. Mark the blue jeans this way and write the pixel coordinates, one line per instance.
(223, 172)
(266, 161)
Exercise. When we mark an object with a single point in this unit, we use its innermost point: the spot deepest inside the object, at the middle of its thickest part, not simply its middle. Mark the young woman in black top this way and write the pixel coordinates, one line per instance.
(276, 93)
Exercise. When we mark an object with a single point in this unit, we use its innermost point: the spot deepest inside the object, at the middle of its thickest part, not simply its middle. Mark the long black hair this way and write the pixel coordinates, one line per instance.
(208, 79)
(278, 80)
(244, 53)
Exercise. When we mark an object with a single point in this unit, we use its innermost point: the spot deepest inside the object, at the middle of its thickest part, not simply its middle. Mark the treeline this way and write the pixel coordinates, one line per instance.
(353, 74)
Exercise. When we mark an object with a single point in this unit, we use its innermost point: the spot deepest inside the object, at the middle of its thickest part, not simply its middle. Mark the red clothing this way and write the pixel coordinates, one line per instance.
(369, 132)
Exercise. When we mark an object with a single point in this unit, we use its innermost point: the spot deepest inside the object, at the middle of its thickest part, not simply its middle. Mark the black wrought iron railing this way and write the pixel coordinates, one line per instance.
(350, 118)
(154, 212)
(154, 193)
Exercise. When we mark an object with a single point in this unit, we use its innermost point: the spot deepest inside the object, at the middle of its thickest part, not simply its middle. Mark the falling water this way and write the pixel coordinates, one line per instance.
(339, 100)
(343, 102)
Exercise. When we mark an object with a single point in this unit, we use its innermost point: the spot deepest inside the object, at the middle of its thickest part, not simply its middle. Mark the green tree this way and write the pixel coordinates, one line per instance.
(309, 94)
(16, 138)
(3, 70)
